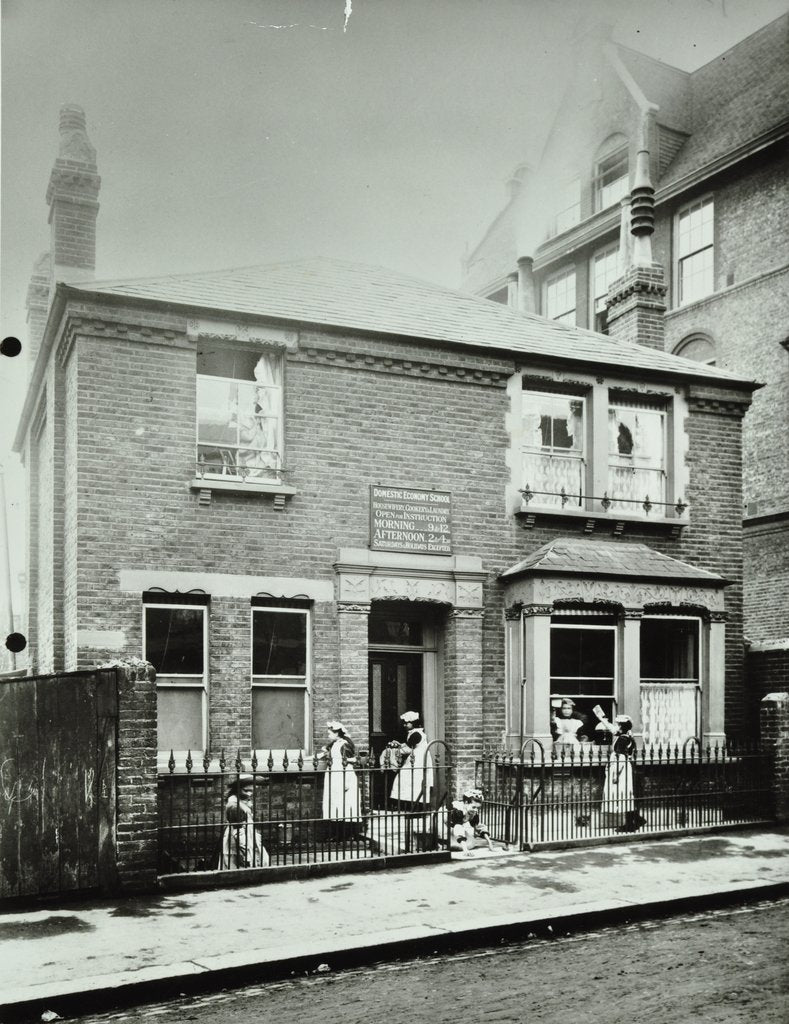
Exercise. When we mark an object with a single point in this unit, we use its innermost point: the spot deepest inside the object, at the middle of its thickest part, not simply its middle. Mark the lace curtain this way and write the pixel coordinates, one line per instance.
(668, 713)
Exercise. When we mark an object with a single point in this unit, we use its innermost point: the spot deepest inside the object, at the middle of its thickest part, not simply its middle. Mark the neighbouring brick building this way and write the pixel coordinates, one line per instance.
(717, 142)
(322, 490)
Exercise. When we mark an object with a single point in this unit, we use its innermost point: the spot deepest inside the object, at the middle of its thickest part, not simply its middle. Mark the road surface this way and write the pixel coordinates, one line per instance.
(718, 967)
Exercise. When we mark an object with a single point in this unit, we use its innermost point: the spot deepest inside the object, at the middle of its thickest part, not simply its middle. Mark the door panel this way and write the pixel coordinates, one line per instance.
(395, 687)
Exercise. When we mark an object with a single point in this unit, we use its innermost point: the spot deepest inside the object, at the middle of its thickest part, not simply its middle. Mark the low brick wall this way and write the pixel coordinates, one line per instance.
(775, 737)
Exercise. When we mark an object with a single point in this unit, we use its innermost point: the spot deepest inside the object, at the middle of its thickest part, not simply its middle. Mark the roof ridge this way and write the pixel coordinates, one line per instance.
(739, 43)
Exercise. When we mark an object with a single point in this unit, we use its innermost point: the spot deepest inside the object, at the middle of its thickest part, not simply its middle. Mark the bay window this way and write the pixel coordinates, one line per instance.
(280, 680)
(670, 679)
(695, 251)
(239, 413)
(174, 641)
(636, 456)
(553, 447)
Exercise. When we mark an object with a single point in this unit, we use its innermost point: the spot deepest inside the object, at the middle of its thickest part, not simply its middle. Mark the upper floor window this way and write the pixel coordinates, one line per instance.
(559, 297)
(280, 679)
(567, 206)
(239, 413)
(695, 250)
(602, 273)
(611, 172)
(175, 642)
(698, 347)
(553, 447)
(636, 455)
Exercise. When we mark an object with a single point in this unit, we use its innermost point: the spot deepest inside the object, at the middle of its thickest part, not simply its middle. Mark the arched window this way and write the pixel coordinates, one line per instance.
(698, 347)
(611, 171)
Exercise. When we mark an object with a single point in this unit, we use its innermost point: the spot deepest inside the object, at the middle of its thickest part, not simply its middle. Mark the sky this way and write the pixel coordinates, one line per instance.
(234, 132)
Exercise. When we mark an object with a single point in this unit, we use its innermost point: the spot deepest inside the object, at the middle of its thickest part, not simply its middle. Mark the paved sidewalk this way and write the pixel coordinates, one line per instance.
(86, 955)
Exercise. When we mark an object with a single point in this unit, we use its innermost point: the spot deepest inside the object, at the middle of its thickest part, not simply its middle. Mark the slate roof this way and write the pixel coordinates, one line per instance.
(737, 97)
(360, 297)
(614, 559)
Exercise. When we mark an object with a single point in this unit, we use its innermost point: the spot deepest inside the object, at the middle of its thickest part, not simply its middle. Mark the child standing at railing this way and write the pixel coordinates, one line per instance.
(242, 846)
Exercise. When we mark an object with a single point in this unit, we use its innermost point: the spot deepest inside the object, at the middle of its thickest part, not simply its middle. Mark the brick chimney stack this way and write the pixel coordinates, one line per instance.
(72, 196)
(636, 301)
(73, 200)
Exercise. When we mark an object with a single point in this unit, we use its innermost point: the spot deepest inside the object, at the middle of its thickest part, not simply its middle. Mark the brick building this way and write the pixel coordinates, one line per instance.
(317, 490)
(717, 144)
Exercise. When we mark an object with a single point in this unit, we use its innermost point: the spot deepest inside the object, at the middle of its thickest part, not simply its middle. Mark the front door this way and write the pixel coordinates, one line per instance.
(395, 687)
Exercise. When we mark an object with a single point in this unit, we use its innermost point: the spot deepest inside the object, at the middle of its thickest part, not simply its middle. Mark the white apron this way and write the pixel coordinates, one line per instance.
(340, 787)
(414, 780)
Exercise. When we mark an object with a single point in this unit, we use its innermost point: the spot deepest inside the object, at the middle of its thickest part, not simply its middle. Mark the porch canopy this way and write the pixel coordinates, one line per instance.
(627, 581)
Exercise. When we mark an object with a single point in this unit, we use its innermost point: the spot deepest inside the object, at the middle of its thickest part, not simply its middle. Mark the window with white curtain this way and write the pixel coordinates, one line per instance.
(239, 413)
(553, 447)
(670, 680)
(636, 456)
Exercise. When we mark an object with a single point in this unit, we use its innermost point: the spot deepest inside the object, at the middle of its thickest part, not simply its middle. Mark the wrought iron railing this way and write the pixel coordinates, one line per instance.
(217, 816)
(571, 795)
(606, 503)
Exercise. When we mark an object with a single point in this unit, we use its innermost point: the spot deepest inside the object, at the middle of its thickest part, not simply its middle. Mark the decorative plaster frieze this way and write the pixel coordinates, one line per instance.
(364, 575)
(396, 588)
(349, 608)
(466, 613)
(403, 367)
(238, 330)
(623, 592)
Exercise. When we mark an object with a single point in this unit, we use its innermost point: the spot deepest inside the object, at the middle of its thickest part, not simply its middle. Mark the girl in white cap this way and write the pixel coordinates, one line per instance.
(413, 783)
(619, 803)
(341, 787)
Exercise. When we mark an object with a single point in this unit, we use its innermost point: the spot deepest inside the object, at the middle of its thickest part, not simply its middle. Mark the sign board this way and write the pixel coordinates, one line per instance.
(407, 519)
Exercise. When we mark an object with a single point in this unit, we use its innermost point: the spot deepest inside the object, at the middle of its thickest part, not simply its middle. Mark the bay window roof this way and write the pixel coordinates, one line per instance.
(610, 559)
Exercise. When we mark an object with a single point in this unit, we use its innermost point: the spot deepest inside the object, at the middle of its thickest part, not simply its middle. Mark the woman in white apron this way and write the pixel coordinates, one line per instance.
(413, 784)
(619, 803)
(242, 846)
(340, 786)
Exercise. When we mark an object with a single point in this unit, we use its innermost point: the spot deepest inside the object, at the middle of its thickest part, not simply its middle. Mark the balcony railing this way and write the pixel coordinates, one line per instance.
(606, 502)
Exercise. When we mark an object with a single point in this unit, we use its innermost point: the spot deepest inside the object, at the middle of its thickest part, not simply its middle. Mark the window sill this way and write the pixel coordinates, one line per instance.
(242, 486)
(531, 514)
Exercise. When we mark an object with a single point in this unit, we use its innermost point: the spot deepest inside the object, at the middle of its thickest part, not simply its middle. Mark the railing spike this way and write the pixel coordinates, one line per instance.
(171, 762)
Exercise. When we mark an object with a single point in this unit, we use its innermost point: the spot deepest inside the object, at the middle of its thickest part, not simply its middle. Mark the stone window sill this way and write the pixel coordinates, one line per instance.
(241, 486)
(530, 515)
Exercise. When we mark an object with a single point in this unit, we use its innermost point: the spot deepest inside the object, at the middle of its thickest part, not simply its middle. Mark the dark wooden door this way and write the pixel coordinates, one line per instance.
(395, 687)
(395, 682)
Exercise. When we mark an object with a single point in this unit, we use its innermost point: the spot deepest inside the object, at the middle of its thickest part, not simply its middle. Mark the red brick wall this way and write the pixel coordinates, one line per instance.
(767, 580)
(388, 412)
